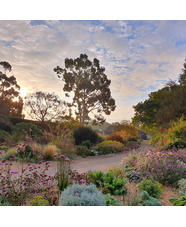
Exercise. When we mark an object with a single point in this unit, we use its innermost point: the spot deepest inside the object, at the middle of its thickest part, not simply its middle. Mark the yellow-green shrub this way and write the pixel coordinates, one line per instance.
(39, 201)
(174, 135)
(117, 146)
(12, 151)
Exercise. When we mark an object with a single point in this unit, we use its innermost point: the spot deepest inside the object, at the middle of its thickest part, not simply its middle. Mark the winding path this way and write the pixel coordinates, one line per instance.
(102, 162)
(93, 163)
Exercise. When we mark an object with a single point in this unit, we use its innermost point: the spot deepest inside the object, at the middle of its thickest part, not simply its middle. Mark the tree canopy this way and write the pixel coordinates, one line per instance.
(182, 77)
(44, 106)
(163, 106)
(90, 87)
(9, 90)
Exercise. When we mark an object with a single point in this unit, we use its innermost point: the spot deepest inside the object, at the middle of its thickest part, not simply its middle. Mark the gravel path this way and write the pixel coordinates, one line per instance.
(102, 162)
(94, 163)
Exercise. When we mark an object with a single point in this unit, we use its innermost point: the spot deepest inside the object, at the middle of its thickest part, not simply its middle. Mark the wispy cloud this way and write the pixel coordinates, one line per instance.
(139, 56)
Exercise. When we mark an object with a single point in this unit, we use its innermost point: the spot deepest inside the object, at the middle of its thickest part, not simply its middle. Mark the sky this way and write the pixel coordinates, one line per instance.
(139, 56)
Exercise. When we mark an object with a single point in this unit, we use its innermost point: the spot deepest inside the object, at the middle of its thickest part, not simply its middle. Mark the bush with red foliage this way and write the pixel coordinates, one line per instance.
(115, 137)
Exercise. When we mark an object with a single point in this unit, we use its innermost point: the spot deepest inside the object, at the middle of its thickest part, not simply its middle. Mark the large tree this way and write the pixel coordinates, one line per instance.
(90, 87)
(182, 77)
(43, 106)
(163, 106)
(10, 101)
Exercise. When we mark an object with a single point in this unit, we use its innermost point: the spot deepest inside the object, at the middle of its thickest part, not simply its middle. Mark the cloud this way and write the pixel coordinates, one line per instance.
(139, 56)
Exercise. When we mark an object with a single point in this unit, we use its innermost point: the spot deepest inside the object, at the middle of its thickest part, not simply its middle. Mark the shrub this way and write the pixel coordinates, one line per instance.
(43, 140)
(4, 202)
(66, 146)
(131, 145)
(166, 167)
(112, 201)
(25, 151)
(17, 186)
(10, 152)
(174, 135)
(178, 144)
(39, 201)
(149, 200)
(150, 186)
(114, 181)
(27, 129)
(6, 125)
(144, 199)
(100, 138)
(133, 174)
(96, 178)
(49, 151)
(4, 147)
(179, 201)
(115, 137)
(87, 144)
(83, 133)
(137, 201)
(117, 146)
(82, 195)
(84, 151)
(3, 135)
(105, 150)
(182, 186)
(126, 131)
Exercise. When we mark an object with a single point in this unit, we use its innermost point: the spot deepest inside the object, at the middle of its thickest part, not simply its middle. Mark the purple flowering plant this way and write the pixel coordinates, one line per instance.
(17, 186)
(166, 167)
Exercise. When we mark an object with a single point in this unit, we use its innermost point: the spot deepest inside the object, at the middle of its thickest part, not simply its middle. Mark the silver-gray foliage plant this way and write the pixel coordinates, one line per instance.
(82, 195)
(182, 186)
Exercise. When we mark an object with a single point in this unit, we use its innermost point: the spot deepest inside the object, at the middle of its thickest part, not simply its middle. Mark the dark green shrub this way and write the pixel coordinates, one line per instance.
(112, 201)
(137, 201)
(83, 133)
(100, 139)
(150, 186)
(84, 151)
(96, 178)
(113, 182)
(3, 135)
(27, 128)
(6, 125)
(178, 144)
(105, 150)
(149, 200)
(87, 144)
(145, 200)
(82, 195)
(4, 202)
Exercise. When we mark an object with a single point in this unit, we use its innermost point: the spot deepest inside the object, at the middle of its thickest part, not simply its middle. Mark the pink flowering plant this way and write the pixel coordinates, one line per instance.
(18, 186)
(167, 166)
(25, 151)
(63, 171)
